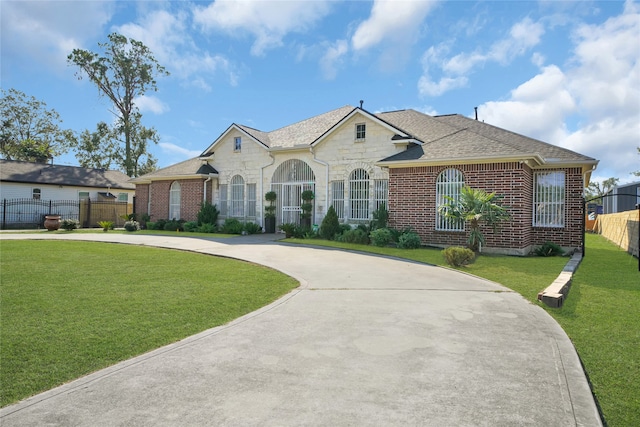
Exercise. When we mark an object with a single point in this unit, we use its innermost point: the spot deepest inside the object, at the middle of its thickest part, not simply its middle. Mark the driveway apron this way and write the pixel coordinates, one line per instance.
(364, 341)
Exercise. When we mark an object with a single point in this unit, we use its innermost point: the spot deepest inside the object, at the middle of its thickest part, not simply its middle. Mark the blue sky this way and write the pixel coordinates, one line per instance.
(565, 72)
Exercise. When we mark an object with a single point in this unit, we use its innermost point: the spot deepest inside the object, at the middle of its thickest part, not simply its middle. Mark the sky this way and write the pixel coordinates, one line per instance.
(564, 72)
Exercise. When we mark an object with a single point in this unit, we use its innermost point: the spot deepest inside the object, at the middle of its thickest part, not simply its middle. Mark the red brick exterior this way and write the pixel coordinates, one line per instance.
(191, 196)
(412, 193)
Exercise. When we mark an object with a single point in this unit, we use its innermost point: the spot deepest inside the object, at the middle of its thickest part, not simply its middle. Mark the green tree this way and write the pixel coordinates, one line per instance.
(96, 149)
(126, 70)
(30, 131)
(596, 190)
(475, 206)
(637, 173)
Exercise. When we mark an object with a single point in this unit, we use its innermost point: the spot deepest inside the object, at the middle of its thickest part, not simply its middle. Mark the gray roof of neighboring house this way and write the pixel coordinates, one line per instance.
(187, 168)
(41, 173)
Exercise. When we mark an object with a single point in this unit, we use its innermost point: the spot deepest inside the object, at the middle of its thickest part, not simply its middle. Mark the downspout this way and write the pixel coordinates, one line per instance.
(273, 160)
(326, 187)
(204, 189)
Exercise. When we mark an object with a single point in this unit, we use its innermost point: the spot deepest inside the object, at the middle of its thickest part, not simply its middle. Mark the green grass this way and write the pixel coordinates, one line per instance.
(71, 308)
(123, 231)
(601, 314)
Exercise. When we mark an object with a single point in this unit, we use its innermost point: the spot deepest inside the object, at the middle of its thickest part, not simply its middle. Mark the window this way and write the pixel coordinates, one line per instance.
(337, 197)
(381, 188)
(448, 185)
(123, 197)
(548, 199)
(237, 144)
(83, 195)
(361, 129)
(36, 193)
(251, 200)
(174, 201)
(237, 197)
(359, 194)
(224, 204)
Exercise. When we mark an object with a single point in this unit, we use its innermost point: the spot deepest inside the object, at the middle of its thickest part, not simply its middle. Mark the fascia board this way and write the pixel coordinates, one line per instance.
(531, 160)
(172, 178)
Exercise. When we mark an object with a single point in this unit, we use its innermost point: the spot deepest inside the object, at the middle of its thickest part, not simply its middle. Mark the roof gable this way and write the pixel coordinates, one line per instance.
(41, 173)
(195, 167)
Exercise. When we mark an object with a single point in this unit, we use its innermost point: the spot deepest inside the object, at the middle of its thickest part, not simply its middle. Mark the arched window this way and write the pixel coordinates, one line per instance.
(359, 194)
(237, 197)
(448, 186)
(174, 201)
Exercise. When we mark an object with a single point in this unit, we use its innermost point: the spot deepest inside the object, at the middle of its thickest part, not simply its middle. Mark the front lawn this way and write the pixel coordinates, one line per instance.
(601, 314)
(71, 308)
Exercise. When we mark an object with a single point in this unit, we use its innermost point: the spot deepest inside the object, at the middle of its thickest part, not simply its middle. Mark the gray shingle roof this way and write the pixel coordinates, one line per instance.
(187, 168)
(40, 173)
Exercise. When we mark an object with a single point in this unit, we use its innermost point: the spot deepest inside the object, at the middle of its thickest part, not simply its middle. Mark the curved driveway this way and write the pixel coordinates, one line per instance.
(364, 341)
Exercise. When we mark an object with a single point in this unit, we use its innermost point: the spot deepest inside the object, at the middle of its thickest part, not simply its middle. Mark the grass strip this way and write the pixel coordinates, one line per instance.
(70, 308)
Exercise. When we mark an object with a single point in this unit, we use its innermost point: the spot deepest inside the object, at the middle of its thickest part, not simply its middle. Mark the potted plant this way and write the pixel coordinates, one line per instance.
(306, 207)
(52, 222)
(270, 212)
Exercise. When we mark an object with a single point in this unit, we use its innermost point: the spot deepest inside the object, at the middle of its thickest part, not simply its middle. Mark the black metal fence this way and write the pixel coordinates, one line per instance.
(30, 213)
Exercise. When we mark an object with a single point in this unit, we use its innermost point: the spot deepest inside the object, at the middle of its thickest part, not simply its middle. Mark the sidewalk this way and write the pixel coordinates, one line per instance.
(364, 341)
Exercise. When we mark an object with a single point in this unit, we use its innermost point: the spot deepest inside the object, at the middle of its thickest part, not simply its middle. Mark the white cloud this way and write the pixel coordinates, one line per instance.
(182, 152)
(454, 71)
(389, 19)
(166, 35)
(599, 91)
(151, 103)
(46, 32)
(268, 21)
(332, 58)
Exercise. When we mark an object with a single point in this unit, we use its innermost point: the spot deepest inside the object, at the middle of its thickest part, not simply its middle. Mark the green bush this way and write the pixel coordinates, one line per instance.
(70, 224)
(132, 225)
(106, 225)
(232, 226)
(549, 249)
(157, 225)
(457, 256)
(396, 233)
(409, 241)
(252, 228)
(343, 228)
(207, 228)
(330, 225)
(288, 228)
(174, 225)
(380, 217)
(356, 235)
(208, 213)
(380, 237)
(190, 226)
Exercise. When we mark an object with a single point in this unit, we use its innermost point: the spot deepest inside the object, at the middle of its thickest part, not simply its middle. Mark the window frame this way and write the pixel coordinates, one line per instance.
(36, 193)
(549, 198)
(360, 132)
(237, 193)
(251, 192)
(224, 202)
(337, 197)
(175, 199)
(359, 192)
(237, 144)
(448, 183)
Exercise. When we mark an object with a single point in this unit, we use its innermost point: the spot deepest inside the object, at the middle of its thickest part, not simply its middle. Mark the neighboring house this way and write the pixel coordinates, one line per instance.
(356, 160)
(622, 198)
(22, 182)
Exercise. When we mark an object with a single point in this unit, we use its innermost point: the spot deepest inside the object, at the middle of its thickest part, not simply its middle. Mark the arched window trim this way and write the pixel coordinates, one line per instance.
(448, 183)
(174, 200)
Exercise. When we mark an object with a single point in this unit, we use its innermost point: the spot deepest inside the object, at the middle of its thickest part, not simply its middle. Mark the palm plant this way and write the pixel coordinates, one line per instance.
(475, 206)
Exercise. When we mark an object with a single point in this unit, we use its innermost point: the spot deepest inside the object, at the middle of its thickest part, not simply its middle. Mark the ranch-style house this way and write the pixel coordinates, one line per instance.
(356, 160)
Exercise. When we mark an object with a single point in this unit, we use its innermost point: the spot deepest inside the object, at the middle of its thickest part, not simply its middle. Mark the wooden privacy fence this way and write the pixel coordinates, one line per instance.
(620, 228)
(30, 213)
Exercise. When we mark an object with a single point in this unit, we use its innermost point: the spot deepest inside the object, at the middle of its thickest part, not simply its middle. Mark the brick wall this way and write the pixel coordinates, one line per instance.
(191, 196)
(412, 193)
(142, 199)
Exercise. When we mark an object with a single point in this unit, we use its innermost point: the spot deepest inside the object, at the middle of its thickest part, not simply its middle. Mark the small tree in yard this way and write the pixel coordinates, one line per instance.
(330, 225)
(475, 206)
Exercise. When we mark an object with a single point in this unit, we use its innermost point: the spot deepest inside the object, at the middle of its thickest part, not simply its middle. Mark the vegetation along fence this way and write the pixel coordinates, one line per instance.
(30, 213)
(620, 228)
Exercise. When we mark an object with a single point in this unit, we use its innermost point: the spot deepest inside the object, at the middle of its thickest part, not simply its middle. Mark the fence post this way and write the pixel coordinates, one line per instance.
(4, 214)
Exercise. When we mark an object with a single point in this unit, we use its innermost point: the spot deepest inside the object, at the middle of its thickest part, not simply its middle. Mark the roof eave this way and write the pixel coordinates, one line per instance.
(531, 160)
(149, 180)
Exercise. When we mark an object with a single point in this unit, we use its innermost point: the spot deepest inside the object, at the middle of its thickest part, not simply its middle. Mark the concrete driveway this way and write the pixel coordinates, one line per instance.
(365, 341)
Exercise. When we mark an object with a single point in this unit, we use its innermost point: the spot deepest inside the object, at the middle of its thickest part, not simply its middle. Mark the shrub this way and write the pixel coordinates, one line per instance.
(174, 225)
(409, 241)
(70, 224)
(151, 225)
(330, 225)
(190, 226)
(131, 225)
(158, 225)
(106, 225)
(343, 228)
(380, 217)
(356, 235)
(252, 228)
(457, 256)
(208, 213)
(207, 228)
(396, 233)
(288, 228)
(232, 226)
(380, 237)
(549, 249)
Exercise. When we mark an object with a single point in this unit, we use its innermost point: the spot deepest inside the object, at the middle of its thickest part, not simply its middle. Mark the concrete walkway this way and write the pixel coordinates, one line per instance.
(364, 341)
